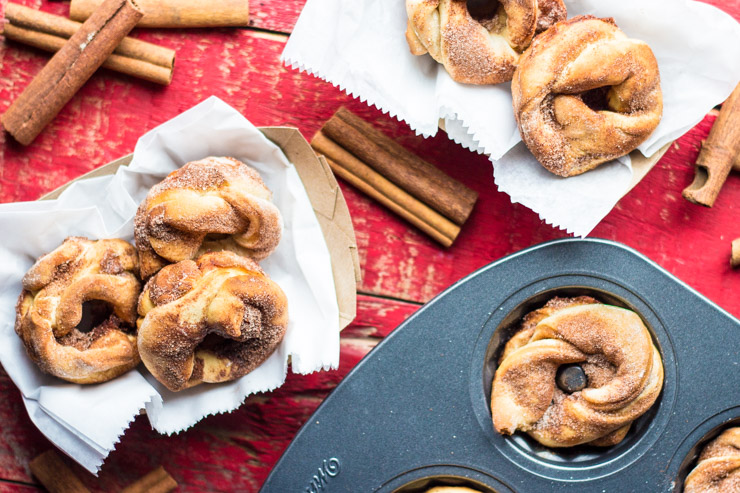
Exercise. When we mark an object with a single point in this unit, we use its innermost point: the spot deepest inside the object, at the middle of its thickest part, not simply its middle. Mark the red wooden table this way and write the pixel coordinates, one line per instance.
(401, 267)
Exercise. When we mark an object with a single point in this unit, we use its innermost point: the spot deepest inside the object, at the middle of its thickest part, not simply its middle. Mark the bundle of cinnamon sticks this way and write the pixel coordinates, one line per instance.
(380, 167)
(50, 32)
(69, 69)
(719, 154)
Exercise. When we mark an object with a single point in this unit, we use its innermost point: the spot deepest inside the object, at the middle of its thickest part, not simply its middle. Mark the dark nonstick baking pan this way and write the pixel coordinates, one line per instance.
(415, 412)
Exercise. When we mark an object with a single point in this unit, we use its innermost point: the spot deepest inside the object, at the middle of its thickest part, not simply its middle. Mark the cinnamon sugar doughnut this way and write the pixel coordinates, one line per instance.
(51, 306)
(211, 320)
(478, 42)
(217, 203)
(584, 94)
(614, 348)
(718, 467)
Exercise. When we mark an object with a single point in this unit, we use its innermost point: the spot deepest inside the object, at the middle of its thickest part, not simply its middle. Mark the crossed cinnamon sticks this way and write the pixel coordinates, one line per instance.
(398, 179)
(100, 41)
(50, 32)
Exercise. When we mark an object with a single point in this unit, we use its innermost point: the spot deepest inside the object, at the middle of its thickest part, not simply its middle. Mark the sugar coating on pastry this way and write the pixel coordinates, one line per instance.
(50, 308)
(584, 94)
(478, 42)
(718, 467)
(212, 320)
(614, 348)
(217, 203)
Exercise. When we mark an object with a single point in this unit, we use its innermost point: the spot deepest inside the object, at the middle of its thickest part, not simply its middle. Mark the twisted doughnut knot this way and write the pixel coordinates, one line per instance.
(50, 308)
(718, 468)
(210, 320)
(478, 44)
(585, 94)
(624, 369)
(213, 204)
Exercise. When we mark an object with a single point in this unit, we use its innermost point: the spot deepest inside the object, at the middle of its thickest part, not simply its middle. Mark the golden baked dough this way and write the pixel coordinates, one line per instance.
(585, 94)
(478, 42)
(614, 348)
(210, 320)
(217, 203)
(718, 467)
(50, 308)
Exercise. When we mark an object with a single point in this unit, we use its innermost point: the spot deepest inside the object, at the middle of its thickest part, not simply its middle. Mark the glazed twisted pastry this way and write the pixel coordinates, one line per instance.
(50, 308)
(217, 203)
(585, 94)
(478, 42)
(718, 467)
(210, 320)
(614, 348)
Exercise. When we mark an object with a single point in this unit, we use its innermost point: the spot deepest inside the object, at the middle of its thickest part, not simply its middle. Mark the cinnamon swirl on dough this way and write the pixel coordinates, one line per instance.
(212, 320)
(478, 41)
(584, 94)
(50, 308)
(718, 467)
(612, 346)
(217, 203)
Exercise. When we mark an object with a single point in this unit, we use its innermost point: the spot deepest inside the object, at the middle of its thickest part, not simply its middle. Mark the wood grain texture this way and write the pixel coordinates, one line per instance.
(235, 452)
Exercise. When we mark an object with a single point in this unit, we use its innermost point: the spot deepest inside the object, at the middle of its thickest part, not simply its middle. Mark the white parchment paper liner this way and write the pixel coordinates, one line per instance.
(360, 47)
(86, 421)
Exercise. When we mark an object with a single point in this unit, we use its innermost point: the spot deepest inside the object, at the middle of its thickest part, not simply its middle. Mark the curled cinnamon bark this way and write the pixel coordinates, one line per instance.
(718, 154)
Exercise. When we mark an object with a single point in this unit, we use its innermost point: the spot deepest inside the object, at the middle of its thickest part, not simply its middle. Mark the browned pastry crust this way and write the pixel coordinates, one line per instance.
(718, 467)
(50, 308)
(217, 203)
(624, 370)
(585, 94)
(478, 42)
(210, 320)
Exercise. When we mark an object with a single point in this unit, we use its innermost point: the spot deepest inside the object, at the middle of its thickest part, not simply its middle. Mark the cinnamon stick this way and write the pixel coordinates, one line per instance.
(50, 32)
(53, 473)
(717, 155)
(177, 13)
(424, 181)
(157, 481)
(369, 181)
(69, 69)
(735, 258)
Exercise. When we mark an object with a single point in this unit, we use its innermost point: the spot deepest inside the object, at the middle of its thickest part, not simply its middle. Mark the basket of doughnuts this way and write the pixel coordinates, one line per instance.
(177, 280)
(574, 101)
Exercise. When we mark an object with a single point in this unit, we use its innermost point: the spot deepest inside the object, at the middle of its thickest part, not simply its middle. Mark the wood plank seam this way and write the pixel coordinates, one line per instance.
(390, 298)
(18, 483)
